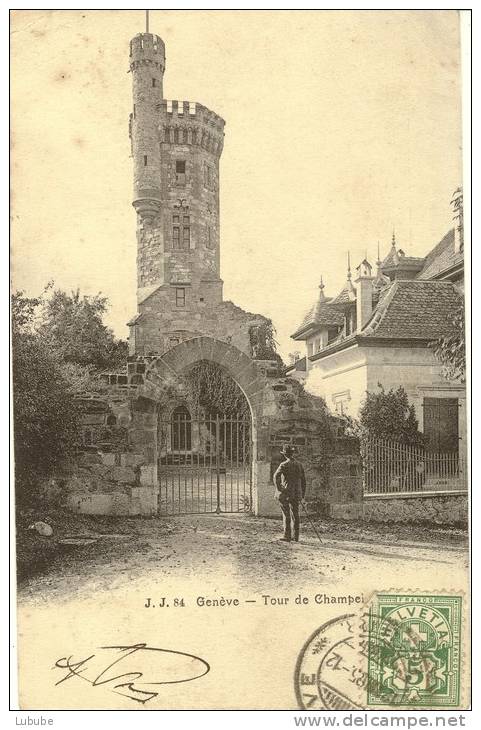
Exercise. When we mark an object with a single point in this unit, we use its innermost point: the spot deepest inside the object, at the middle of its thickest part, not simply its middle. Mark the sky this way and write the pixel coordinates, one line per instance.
(340, 127)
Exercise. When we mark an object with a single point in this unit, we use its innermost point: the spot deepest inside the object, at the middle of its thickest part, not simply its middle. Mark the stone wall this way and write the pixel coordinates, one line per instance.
(223, 320)
(438, 509)
(111, 483)
(331, 460)
(344, 494)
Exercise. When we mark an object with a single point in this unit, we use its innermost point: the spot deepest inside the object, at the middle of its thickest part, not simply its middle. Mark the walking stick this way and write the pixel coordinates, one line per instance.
(311, 522)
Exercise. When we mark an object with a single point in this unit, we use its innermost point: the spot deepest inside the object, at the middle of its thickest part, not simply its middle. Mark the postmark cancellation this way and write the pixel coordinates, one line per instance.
(401, 650)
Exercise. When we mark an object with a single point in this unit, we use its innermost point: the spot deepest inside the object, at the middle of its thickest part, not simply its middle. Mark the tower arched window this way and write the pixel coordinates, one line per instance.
(181, 434)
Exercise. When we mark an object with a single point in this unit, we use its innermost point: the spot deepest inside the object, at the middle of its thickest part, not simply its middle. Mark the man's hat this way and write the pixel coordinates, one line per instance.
(288, 450)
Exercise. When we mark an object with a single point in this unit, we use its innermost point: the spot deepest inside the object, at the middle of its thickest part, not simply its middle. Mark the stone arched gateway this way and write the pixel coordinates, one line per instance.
(118, 474)
(163, 372)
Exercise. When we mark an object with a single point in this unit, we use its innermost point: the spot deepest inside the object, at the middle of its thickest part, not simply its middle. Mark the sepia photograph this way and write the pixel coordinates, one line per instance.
(238, 344)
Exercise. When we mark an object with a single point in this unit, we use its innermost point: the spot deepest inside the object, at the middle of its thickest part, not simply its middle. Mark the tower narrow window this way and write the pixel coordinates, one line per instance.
(180, 297)
(154, 83)
(145, 160)
(176, 237)
(134, 111)
(208, 177)
(186, 232)
(180, 172)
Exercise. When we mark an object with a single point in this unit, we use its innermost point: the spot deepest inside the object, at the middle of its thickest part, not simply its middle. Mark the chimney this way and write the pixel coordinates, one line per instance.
(363, 294)
(457, 203)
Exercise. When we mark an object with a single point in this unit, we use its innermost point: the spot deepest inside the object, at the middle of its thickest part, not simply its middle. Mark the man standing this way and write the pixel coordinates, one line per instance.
(290, 483)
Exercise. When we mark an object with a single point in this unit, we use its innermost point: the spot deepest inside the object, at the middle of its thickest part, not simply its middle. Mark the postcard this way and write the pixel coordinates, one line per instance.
(238, 352)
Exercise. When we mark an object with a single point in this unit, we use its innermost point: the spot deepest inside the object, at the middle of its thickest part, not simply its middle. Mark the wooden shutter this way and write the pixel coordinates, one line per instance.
(441, 416)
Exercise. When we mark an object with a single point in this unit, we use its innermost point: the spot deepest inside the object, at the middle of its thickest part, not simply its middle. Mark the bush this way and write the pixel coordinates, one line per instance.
(59, 345)
(46, 417)
(390, 416)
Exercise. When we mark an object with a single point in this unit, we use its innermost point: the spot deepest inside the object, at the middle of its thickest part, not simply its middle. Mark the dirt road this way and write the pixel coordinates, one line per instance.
(240, 551)
(224, 589)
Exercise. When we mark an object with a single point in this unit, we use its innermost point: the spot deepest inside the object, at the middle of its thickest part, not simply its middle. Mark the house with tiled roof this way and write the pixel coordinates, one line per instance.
(378, 330)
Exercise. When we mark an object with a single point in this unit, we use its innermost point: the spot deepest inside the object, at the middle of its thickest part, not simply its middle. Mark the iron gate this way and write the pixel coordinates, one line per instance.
(204, 464)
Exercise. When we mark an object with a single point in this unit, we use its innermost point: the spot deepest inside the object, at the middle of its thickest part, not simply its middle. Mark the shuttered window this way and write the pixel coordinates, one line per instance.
(441, 424)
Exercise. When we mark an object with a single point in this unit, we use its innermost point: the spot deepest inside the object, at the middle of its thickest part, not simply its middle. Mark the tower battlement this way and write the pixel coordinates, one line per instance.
(186, 109)
(191, 123)
(148, 49)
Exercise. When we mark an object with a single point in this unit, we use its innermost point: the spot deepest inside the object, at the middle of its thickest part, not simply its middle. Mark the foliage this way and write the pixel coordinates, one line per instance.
(450, 350)
(351, 426)
(73, 328)
(211, 389)
(389, 415)
(263, 342)
(59, 345)
(45, 413)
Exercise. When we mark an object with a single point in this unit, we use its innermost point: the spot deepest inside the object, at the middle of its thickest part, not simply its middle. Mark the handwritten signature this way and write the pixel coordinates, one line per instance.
(170, 667)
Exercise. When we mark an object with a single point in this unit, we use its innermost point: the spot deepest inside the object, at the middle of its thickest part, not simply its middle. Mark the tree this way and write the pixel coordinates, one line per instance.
(451, 349)
(263, 342)
(46, 416)
(390, 416)
(59, 345)
(72, 326)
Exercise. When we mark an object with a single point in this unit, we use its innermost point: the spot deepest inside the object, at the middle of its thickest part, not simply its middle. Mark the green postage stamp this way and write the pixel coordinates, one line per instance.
(414, 651)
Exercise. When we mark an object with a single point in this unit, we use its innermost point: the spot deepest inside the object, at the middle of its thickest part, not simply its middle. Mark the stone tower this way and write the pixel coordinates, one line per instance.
(176, 147)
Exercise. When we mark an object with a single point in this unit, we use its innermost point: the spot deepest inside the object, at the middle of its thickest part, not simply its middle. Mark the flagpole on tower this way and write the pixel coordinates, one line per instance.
(146, 21)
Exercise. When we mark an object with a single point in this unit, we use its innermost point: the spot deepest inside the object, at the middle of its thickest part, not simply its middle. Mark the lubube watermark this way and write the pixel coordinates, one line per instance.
(30, 721)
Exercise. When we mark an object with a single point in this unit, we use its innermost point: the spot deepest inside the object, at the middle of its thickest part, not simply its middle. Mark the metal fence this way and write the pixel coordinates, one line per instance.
(391, 468)
(204, 464)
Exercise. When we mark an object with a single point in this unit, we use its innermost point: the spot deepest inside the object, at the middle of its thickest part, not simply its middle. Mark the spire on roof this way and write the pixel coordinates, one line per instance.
(380, 280)
(322, 296)
(349, 285)
(393, 242)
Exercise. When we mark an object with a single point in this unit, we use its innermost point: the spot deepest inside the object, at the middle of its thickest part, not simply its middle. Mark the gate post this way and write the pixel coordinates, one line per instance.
(217, 467)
